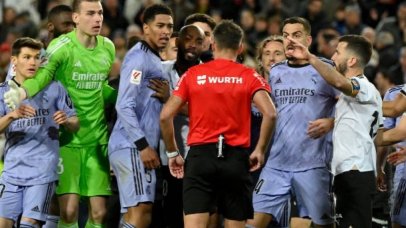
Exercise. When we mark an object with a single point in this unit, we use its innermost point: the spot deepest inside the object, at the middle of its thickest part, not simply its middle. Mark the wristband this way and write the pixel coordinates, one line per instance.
(141, 144)
(172, 154)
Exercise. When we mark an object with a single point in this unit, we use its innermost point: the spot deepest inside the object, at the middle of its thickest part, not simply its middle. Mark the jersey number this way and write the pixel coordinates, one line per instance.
(371, 132)
(60, 166)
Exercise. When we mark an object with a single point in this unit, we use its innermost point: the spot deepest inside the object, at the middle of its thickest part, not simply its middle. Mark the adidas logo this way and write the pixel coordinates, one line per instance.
(278, 81)
(78, 64)
(36, 209)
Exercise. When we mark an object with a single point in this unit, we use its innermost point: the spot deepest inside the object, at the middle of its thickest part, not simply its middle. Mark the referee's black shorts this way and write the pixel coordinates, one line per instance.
(212, 183)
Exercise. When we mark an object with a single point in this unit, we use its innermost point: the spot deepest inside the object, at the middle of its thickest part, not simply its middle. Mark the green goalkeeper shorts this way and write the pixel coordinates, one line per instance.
(84, 171)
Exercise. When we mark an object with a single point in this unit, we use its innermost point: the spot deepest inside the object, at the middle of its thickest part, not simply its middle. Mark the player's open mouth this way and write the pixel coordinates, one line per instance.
(31, 71)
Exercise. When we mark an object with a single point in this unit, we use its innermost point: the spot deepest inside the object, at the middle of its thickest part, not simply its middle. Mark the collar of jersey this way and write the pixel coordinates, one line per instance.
(143, 42)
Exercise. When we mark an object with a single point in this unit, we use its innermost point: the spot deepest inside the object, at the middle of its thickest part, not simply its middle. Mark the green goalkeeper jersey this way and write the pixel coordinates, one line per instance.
(84, 73)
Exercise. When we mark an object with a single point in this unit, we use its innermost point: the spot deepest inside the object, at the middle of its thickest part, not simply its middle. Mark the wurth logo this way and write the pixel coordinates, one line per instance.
(201, 80)
(225, 80)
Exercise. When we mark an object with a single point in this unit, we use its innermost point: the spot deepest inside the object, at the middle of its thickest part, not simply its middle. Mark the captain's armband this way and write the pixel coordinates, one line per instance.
(355, 87)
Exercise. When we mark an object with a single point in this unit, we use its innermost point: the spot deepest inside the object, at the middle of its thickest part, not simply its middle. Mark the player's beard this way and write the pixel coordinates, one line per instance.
(342, 68)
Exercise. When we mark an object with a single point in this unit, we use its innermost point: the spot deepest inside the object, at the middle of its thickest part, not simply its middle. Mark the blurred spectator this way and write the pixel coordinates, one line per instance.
(253, 5)
(120, 43)
(134, 31)
(275, 25)
(202, 6)
(181, 9)
(9, 15)
(5, 56)
(339, 19)
(353, 23)
(371, 68)
(105, 30)
(387, 51)
(113, 15)
(327, 40)
(285, 8)
(25, 25)
(21, 6)
(395, 25)
(316, 16)
(261, 28)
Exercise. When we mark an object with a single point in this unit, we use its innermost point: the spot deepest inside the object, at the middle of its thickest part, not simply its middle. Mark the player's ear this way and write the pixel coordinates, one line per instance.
(13, 59)
(240, 48)
(75, 18)
(145, 28)
(309, 40)
(50, 27)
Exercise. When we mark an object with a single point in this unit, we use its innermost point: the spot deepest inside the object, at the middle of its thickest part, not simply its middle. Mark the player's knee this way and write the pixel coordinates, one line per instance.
(69, 214)
(98, 214)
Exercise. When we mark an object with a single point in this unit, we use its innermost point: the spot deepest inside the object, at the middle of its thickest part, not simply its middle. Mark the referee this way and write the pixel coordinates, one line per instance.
(219, 95)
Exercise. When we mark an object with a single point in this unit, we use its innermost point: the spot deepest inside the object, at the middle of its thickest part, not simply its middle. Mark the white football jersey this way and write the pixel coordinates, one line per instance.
(357, 121)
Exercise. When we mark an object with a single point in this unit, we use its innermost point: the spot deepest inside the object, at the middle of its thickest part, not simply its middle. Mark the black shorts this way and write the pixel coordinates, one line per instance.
(212, 183)
(354, 191)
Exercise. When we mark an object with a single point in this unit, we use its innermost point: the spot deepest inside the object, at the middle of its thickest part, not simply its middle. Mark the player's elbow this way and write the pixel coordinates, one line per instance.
(270, 114)
(164, 117)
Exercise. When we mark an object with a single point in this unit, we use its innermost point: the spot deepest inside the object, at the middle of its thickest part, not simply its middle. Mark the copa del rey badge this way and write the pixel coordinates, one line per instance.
(136, 76)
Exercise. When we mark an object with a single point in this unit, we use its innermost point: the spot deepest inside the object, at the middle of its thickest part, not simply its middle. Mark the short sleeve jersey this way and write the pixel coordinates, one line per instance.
(137, 112)
(32, 144)
(84, 73)
(357, 120)
(219, 95)
(301, 95)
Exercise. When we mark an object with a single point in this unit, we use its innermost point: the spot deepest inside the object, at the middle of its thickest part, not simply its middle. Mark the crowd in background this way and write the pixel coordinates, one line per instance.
(381, 21)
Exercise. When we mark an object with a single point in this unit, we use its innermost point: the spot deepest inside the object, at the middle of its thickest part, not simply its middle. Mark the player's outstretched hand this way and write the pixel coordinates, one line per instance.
(256, 160)
(60, 117)
(319, 127)
(161, 89)
(397, 157)
(12, 98)
(176, 166)
(297, 50)
(150, 158)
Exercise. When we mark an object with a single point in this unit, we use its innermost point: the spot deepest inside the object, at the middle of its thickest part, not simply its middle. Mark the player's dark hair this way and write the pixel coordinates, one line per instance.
(298, 20)
(228, 35)
(54, 12)
(152, 11)
(360, 46)
(200, 17)
(25, 42)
